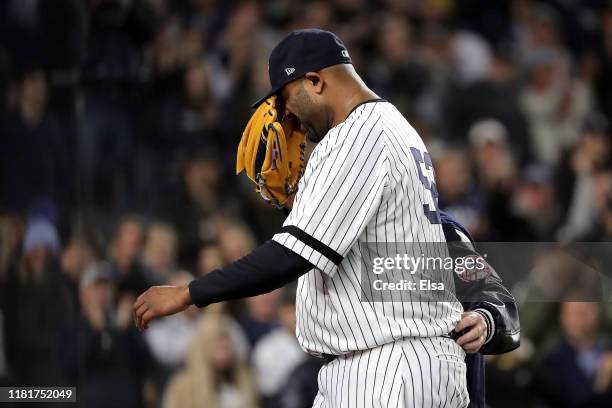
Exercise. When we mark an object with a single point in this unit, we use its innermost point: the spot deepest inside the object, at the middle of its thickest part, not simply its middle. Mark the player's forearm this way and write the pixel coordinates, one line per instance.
(268, 267)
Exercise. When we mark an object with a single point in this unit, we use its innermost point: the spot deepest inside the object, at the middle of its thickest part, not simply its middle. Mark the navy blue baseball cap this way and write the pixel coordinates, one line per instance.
(303, 51)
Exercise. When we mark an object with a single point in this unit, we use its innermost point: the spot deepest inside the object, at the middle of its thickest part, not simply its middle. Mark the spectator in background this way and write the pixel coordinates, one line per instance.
(124, 254)
(600, 193)
(399, 75)
(271, 372)
(160, 251)
(536, 203)
(103, 354)
(235, 241)
(556, 274)
(169, 337)
(235, 49)
(554, 103)
(172, 126)
(33, 155)
(495, 97)
(215, 374)
(200, 115)
(456, 189)
(165, 52)
(471, 57)
(317, 14)
(495, 165)
(508, 378)
(231, 64)
(578, 372)
(76, 257)
(11, 237)
(197, 209)
(38, 304)
(209, 259)
(602, 231)
(495, 171)
(261, 315)
(583, 172)
(536, 25)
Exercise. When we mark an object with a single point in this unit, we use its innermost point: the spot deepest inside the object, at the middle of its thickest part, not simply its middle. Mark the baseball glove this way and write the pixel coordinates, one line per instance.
(272, 153)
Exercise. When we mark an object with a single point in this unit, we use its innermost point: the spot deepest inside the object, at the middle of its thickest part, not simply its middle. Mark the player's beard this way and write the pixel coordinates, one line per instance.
(311, 133)
(306, 107)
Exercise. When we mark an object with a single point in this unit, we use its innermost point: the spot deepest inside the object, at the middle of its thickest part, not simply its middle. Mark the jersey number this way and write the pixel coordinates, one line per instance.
(433, 215)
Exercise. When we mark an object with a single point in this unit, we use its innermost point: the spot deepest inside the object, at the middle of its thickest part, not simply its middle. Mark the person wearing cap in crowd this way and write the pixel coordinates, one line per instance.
(535, 202)
(38, 305)
(497, 176)
(495, 164)
(587, 173)
(101, 353)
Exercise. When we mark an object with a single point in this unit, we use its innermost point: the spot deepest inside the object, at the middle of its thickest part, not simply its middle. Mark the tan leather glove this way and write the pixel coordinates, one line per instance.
(272, 154)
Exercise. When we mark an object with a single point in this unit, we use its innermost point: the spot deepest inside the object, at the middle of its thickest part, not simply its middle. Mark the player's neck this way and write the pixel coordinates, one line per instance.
(349, 98)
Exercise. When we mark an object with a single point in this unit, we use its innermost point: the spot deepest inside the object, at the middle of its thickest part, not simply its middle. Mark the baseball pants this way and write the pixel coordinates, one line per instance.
(412, 372)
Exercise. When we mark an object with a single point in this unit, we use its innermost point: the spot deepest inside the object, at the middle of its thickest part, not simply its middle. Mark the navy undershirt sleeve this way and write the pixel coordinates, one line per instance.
(268, 267)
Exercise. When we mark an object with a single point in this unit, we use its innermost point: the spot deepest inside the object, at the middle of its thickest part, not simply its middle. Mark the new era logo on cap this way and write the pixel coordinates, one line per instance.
(300, 52)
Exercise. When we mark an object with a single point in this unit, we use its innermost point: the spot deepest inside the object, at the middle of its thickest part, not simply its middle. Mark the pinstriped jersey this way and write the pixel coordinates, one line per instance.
(369, 180)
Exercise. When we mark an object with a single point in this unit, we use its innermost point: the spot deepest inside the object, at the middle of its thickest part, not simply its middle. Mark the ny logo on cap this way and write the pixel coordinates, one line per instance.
(289, 71)
(345, 53)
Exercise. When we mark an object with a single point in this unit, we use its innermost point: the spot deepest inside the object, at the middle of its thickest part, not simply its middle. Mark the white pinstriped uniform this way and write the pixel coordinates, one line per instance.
(369, 180)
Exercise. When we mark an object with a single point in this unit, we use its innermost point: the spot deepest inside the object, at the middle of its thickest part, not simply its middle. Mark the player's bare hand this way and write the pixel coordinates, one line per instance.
(160, 301)
(474, 327)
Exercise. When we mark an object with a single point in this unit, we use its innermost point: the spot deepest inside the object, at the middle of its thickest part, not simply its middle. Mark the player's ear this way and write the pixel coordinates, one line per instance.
(314, 81)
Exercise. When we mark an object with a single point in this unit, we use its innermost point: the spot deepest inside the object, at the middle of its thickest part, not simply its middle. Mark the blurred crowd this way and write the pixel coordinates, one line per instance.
(119, 121)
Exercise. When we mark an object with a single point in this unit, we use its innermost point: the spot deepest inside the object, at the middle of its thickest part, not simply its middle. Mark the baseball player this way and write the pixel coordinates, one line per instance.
(369, 180)
(487, 296)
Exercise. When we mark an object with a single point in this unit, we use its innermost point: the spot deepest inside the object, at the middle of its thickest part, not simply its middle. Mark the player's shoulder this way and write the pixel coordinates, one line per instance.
(394, 123)
(362, 121)
(366, 113)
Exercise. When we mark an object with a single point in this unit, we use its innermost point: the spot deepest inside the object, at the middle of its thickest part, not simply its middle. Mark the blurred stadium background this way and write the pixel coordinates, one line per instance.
(119, 121)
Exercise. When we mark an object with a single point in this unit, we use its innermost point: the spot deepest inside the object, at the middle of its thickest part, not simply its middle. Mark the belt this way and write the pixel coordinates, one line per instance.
(328, 358)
